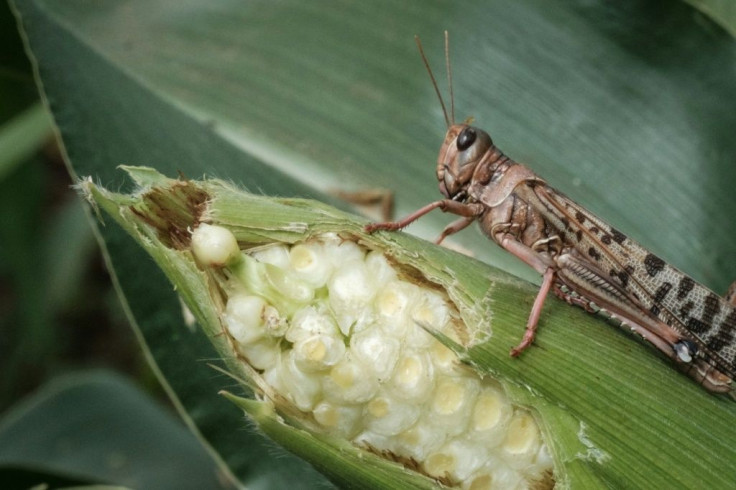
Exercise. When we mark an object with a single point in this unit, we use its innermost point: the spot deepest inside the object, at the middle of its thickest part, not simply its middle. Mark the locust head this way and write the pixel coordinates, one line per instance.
(463, 149)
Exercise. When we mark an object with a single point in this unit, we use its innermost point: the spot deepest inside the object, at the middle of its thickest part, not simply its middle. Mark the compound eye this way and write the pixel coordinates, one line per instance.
(466, 138)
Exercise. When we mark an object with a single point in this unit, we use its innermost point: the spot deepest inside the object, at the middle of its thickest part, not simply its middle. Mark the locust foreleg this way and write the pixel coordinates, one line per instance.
(468, 211)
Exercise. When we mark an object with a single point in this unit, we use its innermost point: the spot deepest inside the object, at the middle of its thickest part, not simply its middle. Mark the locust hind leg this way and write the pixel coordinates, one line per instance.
(575, 300)
(544, 267)
(531, 324)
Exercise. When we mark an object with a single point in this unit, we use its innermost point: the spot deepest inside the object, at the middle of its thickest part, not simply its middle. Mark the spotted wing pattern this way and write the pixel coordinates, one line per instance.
(662, 290)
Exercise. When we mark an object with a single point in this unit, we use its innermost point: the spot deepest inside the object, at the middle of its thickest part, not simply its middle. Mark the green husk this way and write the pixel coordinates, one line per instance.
(613, 412)
(339, 459)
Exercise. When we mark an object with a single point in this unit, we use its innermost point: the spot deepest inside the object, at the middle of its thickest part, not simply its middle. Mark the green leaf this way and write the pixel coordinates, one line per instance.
(97, 427)
(722, 11)
(21, 137)
(628, 108)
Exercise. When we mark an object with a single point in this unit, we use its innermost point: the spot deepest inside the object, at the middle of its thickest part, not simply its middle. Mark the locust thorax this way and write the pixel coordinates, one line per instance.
(462, 151)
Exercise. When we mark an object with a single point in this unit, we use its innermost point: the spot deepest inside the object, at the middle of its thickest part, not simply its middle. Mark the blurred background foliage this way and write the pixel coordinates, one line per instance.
(60, 316)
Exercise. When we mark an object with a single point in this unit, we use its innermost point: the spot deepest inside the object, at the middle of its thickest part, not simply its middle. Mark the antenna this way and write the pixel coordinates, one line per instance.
(434, 82)
(449, 77)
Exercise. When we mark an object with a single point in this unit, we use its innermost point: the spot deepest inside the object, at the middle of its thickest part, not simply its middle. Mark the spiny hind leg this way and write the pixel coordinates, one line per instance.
(531, 325)
(572, 299)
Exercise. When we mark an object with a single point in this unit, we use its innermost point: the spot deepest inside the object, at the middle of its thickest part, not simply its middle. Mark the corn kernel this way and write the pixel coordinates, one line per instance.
(413, 377)
(522, 440)
(277, 255)
(388, 417)
(244, 318)
(374, 349)
(318, 352)
(214, 246)
(350, 382)
(338, 419)
(308, 262)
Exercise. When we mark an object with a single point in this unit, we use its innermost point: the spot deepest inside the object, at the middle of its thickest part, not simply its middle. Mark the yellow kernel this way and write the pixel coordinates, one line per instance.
(389, 302)
(378, 407)
(439, 464)
(488, 410)
(522, 434)
(449, 397)
(343, 375)
(327, 415)
(410, 437)
(424, 315)
(443, 356)
(482, 482)
(315, 349)
(301, 257)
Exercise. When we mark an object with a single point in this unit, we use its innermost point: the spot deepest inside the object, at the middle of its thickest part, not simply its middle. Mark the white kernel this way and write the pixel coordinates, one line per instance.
(277, 255)
(431, 311)
(522, 440)
(445, 360)
(244, 318)
(262, 353)
(481, 481)
(380, 267)
(439, 464)
(350, 291)
(490, 416)
(272, 377)
(494, 474)
(386, 416)
(310, 263)
(452, 401)
(458, 458)
(394, 299)
(214, 246)
(288, 285)
(373, 441)
(308, 322)
(338, 419)
(420, 440)
(392, 305)
(417, 337)
(413, 377)
(350, 382)
(377, 352)
(302, 388)
(343, 251)
(318, 352)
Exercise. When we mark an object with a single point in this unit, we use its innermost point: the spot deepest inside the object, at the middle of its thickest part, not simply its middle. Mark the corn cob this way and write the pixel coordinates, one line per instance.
(300, 304)
(334, 330)
(340, 341)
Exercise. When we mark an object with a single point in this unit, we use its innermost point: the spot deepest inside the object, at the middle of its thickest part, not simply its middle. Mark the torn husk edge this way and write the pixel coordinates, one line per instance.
(164, 212)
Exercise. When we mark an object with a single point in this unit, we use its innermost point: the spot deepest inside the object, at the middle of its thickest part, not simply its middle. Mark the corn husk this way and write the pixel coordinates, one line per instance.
(609, 411)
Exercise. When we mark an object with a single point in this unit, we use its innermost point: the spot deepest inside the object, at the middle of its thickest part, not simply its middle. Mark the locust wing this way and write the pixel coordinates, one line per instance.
(662, 290)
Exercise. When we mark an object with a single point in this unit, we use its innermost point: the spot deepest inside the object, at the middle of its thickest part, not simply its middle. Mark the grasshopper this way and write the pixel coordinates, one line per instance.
(582, 259)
